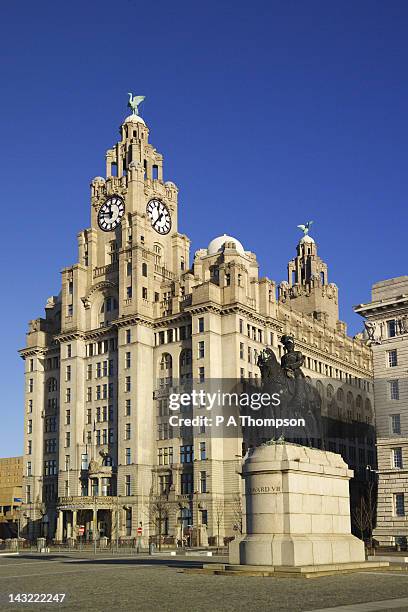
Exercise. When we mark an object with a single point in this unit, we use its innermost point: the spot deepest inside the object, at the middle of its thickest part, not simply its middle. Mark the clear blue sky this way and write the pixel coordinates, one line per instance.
(268, 113)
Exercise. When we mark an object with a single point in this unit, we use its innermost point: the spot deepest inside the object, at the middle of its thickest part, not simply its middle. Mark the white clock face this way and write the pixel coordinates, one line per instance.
(110, 213)
(159, 216)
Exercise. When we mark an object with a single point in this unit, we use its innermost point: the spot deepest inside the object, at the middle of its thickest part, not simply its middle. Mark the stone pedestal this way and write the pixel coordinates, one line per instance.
(296, 509)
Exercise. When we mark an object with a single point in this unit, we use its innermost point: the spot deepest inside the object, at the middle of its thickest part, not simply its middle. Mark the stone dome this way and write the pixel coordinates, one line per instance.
(306, 238)
(217, 244)
(134, 119)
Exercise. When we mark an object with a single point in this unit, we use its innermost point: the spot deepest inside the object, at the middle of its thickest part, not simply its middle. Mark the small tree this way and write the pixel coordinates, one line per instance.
(371, 509)
(360, 517)
(158, 513)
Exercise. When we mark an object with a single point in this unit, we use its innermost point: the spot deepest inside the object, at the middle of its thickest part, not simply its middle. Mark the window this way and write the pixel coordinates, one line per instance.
(127, 431)
(31, 365)
(203, 454)
(84, 461)
(201, 374)
(67, 439)
(67, 462)
(128, 336)
(28, 468)
(204, 517)
(70, 311)
(29, 447)
(68, 395)
(399, 504)
(164, 484)
(68, 373)
(201, 324)
(392, 328)
(144, 269)
(29, 426)
(144, 293)
(186, 454)
(128, 459)
(241, 350)
(67, 417)
(127, 485)
(50, 445)
(203, 482)
(28, 493)
(30, 405)
(31, 385)
(89, 371)
(397, 457)
(129, 291)
(395, 423)
(98, 370)
(127, 360)
(201, 349)
(394, 389)
(127, 383)
(129, 268)
(165, 456)
(186, 483)
(241, 326)
(105, 368)
(128, 521)
(392, 358)
(128, 407)
(89, 394)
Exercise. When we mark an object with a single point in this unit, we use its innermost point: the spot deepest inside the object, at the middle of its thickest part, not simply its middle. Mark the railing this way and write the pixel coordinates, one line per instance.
(108, 269)
(164, 272)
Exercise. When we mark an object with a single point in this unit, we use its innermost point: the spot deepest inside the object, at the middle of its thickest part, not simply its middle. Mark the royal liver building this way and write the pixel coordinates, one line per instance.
(135, 314)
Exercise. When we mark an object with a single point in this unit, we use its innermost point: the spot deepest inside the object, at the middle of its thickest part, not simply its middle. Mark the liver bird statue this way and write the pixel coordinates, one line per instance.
(306, 227)
(134, 102)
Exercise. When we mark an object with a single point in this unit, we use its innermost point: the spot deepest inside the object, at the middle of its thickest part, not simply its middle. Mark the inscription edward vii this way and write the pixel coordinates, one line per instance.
(265, 489)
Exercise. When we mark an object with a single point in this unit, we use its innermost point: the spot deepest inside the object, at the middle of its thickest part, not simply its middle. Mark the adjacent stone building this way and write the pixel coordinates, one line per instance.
(132, 317)
(387, 328)
(11, 492)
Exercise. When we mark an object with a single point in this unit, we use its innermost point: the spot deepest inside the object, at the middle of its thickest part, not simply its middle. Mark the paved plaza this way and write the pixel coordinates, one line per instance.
(158, 583)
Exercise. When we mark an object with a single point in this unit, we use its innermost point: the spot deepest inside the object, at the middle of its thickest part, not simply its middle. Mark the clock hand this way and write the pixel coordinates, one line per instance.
(159, 218)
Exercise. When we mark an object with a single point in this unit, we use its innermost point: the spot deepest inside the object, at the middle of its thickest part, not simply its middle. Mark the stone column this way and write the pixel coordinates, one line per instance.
(60, 525)
(95, 522)
(74, 524)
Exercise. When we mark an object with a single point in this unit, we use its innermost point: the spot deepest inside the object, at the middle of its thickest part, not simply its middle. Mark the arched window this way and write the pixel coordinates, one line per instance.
(166, 362)
(320, 389)
(350, 399)
(359, 401)
(185, 358)
(340, 395)
(330, 392)
(157, 254)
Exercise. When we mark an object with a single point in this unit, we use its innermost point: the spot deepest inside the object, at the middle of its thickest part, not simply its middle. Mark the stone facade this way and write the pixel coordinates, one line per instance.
(133, 316)
(387, 324)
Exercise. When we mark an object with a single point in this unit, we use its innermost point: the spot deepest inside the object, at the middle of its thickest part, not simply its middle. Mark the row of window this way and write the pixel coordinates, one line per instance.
(102, 368)
(165, 455)
(101, 347)
(173, 335)
(104, 391)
